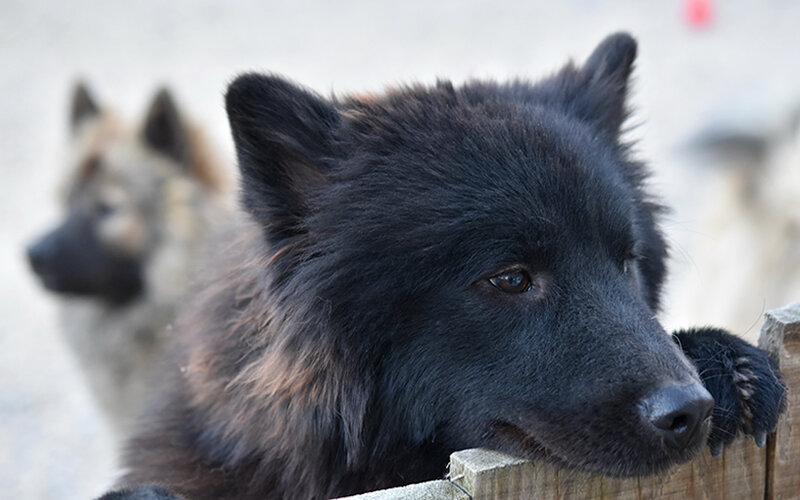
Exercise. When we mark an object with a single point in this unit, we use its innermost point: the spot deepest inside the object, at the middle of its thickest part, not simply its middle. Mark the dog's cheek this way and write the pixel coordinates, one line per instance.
(125, 232)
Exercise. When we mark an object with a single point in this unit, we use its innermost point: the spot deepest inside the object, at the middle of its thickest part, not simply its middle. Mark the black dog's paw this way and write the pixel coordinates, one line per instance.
(140, 493)
(747, 387)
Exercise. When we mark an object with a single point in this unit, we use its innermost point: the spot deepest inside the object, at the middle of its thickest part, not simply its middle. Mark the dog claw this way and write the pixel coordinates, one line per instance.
(760, 438)
(716, 450)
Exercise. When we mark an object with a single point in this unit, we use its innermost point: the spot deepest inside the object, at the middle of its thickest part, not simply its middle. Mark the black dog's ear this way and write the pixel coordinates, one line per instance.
(283, 135)
(607, 72)
(596, 91)
(83, 105)
(163, 129)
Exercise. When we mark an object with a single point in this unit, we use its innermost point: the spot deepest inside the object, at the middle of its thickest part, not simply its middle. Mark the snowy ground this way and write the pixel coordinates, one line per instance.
(52, 444)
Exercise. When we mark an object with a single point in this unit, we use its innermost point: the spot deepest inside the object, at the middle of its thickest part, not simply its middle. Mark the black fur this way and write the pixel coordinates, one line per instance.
(141, 493)
(748, 388)
(432, 269)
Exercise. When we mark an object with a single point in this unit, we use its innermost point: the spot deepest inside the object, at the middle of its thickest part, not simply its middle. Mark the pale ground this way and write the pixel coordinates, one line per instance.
(52, 444)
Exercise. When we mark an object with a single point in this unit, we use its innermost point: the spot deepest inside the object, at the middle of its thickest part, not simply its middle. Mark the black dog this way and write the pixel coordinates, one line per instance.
(433, 269)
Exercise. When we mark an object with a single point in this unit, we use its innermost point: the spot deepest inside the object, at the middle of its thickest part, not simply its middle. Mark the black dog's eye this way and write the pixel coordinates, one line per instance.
(629, 261)
(512, 281)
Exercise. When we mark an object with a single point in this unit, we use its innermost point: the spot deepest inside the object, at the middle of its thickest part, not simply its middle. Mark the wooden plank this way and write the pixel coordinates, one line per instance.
(739, 473)
(780, 336)
(490, 475)
(431, 490)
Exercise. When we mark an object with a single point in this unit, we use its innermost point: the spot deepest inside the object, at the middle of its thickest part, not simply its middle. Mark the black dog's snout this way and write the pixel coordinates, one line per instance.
(676, 412)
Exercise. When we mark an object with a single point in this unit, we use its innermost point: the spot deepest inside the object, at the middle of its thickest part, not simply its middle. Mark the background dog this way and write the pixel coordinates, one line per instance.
(139, 205)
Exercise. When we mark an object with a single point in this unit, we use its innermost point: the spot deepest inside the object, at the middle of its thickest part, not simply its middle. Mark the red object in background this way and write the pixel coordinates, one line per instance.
(698, 13)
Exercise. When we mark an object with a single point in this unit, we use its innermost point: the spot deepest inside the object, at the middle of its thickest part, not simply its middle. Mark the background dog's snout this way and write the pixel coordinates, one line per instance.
(677, 411)
(38, 253)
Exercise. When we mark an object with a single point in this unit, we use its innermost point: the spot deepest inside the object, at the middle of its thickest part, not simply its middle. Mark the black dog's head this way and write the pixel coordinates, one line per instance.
(486, 259)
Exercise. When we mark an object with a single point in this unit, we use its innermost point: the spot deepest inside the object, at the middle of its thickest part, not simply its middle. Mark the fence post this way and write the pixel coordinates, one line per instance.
(780, 336)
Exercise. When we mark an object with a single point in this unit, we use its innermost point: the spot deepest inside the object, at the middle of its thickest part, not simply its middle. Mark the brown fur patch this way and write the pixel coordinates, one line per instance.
(205, 166)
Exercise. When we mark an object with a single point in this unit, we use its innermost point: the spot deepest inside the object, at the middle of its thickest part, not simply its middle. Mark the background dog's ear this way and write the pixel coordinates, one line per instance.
(283, 136)
(163, 129)
(596, 92)
(83, 105)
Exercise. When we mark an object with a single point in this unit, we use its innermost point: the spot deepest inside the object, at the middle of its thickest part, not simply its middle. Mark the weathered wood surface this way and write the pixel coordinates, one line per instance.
(432, 490)
(743, 472)
(489, 475)
(780, 336)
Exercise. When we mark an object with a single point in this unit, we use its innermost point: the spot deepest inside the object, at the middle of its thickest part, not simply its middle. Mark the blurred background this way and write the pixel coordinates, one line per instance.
(716, 94)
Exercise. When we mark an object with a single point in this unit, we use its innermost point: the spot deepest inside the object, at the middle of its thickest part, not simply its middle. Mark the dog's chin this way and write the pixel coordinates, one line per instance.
(55, 284)
(625, 462)
(112, 296)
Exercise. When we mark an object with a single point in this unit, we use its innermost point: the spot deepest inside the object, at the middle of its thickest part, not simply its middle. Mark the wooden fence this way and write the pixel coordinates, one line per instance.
(743, 472)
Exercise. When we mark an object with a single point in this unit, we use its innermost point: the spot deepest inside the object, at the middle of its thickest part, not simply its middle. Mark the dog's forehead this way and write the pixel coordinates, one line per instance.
(428, 176)
(460, 159)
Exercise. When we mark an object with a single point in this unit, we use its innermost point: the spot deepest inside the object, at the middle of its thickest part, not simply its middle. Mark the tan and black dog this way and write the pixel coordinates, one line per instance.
(139, 205)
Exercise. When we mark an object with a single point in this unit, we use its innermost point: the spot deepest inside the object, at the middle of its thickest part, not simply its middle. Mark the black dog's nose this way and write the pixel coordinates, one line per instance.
(676, 412)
